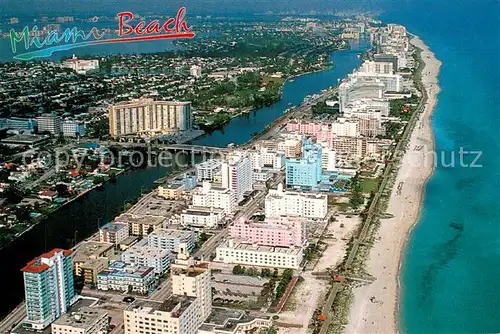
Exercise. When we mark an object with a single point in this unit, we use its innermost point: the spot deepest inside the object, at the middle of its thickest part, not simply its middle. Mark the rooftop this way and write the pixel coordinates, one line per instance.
(118, 268)
(113, 227)
(84, 318)
(202, 211)
(236, 244)
(139, 219)
(91, 249)
(175, 305)
(28, 139)
(147, 251)
(38, 264)
(227, 319)
(170, 233)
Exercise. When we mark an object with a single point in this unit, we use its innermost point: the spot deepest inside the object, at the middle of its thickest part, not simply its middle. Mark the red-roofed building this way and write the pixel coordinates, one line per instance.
(48, 287)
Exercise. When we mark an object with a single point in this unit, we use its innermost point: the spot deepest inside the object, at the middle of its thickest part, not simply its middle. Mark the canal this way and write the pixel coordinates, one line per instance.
(80, 219)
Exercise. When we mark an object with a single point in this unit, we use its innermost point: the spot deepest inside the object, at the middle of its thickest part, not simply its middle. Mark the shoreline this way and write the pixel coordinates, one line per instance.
(383, 314)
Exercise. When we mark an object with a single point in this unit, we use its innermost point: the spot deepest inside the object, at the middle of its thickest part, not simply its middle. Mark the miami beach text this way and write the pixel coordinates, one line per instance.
(70, 38)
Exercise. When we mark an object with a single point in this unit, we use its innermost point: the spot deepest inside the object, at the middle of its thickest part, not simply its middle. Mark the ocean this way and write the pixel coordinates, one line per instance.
(451, 266)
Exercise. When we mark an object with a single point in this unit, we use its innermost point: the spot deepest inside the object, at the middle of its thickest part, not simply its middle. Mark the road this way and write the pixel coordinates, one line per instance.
(246, 212)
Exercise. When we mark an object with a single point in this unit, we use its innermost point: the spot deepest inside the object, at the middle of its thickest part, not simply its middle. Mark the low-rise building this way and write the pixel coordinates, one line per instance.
(140, 225)
(171, 239)
(26, 140)
(309, 205)
(113, 232)
(201, 217)
(171, 191)
(231, 321)
(91, 268)
(147, 256)
(91, 250)
(236, 252)
(282, 231)
(86, 320)
(122, 277)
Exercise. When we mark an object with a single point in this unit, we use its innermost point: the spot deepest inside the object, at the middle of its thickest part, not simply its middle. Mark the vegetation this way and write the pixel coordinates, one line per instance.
(283, 284)
(241, 270)
(369, 185)
(321, 108)
(357, 198)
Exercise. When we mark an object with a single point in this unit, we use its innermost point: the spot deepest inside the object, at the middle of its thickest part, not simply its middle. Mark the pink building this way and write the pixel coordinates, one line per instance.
(283, 231)
(321, 131)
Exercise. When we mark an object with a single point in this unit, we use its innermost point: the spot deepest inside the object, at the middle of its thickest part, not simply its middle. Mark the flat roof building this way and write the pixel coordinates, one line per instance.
(126, 278)
(147, 256)
(236, 252)
(113, 232)
(309, 205)
(87, 320)
(171, 239)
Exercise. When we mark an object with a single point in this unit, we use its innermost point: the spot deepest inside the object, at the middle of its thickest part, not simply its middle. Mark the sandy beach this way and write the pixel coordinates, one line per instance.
(375, 307)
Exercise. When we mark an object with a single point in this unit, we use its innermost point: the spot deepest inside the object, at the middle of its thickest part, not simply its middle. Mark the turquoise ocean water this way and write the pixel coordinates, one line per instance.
(451, 268)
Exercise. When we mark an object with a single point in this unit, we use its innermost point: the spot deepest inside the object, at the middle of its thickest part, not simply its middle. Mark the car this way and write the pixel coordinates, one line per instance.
(128, 299)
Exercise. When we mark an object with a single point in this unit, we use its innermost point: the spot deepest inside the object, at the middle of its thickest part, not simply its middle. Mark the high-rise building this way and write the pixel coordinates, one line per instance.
(305, 172)
(237, 174)
(209, 196)
(48, 287)
(49, 123)
(184, 312)
(147, 116)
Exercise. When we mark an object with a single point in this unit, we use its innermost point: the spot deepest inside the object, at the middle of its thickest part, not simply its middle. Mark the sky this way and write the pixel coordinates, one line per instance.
(102, 7)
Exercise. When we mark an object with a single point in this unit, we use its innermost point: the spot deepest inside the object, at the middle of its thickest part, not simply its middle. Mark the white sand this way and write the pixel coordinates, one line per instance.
(381, 316)
(312, 292)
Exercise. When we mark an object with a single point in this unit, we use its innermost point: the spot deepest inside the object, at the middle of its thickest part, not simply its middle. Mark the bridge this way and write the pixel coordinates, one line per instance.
(193, 148)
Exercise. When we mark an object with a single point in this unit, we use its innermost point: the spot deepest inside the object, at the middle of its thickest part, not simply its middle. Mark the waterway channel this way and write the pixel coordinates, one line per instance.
(80, 219)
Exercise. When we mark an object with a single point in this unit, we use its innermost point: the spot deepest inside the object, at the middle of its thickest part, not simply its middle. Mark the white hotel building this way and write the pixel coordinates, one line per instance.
(235, 252)
(147, 256)
(183, 312)
(208, 196)
(309, 205)
(237, 174)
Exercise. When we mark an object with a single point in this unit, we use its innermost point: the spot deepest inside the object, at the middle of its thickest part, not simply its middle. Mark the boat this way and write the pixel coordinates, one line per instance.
(292, 80)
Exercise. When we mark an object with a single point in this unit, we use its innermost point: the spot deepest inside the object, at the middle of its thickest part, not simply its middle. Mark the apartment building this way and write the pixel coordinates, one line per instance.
(48, 288)
(235, 252)
(147, 116)
(140, 225)
(147, 256)
(183, 312)
(265, 158)
(113, 232)
(281, 231)
(171, 240)
(86, 320)
(209, 196)
(89, 270)
(201, 217)
(49, 123)
(237, 174)
(207, 170)
(309, 205)
(126, 278)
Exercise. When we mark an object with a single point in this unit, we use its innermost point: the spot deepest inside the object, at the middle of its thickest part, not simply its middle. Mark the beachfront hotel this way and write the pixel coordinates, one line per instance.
(309, 205)
(48, 288)
(282, 231)
(236, 252)
(149, 117)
